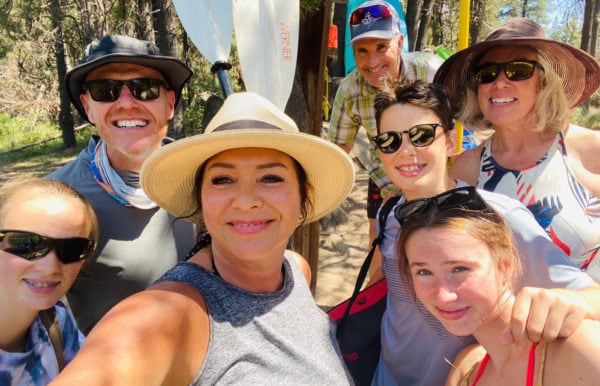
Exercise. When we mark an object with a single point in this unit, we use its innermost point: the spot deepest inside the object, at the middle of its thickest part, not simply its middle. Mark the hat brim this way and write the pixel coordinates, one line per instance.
(374, 35)
(175, 72)
(578, 71)
(167, 176)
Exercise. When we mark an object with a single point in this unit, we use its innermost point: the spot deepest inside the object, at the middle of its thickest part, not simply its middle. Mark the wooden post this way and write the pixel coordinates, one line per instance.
(310, 71)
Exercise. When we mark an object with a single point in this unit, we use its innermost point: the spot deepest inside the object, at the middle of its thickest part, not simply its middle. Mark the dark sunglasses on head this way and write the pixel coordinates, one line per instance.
(109, 90)
(465, 197)
(373, 11)
(514, 70)
(419, 135)
(32, 246)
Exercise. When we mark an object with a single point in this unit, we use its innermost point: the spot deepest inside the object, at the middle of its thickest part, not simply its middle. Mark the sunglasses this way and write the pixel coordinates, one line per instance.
(465, 197)
(32, 246)
(514, 70)
(109, 90)
(419, 135)
(373, 11)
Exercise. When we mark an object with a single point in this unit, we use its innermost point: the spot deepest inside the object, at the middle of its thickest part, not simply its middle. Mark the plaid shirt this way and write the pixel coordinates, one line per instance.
(353, 108)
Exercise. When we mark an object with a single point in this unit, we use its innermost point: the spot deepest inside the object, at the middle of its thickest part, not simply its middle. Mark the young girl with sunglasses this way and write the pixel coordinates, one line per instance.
(523, 85)
(47, 230)
(415, 139)
(460, 261)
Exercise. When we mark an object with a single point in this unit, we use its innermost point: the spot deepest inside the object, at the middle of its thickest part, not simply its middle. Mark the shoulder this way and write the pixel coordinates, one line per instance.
(465, 364)
(465, 166)
(423, 65)
(582, 148)
(577, 354)
(298, 259)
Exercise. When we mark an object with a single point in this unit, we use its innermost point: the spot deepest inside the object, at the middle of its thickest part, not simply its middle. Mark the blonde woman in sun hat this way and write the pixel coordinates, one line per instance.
(239, 310)
(523, 86)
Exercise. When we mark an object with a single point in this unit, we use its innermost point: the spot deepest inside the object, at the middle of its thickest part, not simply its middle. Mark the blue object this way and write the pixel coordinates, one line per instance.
(349, 63)
(468, 141)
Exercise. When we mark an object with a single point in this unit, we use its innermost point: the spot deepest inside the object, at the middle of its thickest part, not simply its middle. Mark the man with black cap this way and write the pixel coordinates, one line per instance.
(377, 46)
(128, 91)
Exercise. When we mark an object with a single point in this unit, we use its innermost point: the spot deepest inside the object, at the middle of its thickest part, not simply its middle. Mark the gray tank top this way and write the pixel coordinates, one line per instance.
(279, 338)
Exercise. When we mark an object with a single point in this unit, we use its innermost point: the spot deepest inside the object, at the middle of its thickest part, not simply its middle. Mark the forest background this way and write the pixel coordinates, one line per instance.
(41, 39)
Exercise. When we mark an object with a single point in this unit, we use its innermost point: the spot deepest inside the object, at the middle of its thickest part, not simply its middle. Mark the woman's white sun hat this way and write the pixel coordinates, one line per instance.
(246, 120)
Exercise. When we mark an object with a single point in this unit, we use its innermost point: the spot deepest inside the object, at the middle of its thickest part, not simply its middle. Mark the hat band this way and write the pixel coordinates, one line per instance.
(244, 124)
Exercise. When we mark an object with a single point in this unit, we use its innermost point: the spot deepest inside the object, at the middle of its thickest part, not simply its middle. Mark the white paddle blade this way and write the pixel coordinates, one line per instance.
(209, 24)
(266, 32)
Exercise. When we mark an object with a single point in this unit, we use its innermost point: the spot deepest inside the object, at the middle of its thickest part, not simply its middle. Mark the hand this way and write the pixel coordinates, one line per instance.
(546, 314)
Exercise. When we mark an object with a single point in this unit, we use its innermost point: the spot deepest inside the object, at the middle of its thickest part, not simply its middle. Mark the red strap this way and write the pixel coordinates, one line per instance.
(530, 367)
(484, 363)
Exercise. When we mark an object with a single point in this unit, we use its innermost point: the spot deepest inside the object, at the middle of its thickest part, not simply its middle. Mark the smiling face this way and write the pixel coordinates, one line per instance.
(250, 202)
(132, 129)
(455, 278)
(37, 285)
(508, 103)
(417, 171)
(378, 58)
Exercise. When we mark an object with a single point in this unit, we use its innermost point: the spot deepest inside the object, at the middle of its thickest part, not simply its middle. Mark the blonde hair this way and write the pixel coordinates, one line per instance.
(45, 187)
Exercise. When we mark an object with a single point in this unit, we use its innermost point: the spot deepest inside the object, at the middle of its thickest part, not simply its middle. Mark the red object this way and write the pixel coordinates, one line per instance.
(332, 42)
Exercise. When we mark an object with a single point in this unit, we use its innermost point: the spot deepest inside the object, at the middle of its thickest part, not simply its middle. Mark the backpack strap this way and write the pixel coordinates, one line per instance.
(364, 269)
(50, 321)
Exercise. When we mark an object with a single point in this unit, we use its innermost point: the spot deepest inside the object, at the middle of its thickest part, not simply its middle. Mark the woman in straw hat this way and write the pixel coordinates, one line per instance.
(239, 310)
(461, 262)
(523, 85)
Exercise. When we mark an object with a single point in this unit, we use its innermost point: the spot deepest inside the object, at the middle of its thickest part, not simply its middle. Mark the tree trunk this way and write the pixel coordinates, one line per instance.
(305, 107)
(65, 118)
(166, 39)
(413, 11)
(425, 20)
(586, 29)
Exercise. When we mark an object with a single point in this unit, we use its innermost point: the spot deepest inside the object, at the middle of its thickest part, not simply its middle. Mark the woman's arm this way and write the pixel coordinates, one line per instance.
(465, 166)
(158, 336)
(582, 148)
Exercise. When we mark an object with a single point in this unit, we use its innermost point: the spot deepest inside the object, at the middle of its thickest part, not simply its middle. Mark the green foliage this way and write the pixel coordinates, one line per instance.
(19, 131)
(46, 151)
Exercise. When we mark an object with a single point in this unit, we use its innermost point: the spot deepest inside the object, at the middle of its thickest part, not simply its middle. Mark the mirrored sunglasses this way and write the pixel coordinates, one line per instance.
(514, 70)
(465, 197)
(419, 135)
(31, 246)
(368, 13)
(109, 90)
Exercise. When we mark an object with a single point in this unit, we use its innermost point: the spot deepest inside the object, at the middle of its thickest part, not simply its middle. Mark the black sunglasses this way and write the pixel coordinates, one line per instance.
(373, 11)
(109, 90)
(32, 246)
(419, 135)
(464, 197)
(514, 70)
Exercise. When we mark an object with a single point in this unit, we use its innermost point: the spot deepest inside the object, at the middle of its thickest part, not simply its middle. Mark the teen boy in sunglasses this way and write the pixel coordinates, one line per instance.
(416, 138)
(128, 91)
(377, 46)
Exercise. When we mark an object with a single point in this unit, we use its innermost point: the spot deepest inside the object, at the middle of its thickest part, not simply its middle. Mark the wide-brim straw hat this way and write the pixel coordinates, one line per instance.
(246, 120)
(579, 72)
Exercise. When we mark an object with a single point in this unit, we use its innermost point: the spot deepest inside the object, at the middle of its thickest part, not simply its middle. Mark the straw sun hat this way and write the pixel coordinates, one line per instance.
(247, 120)
(579, 72)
